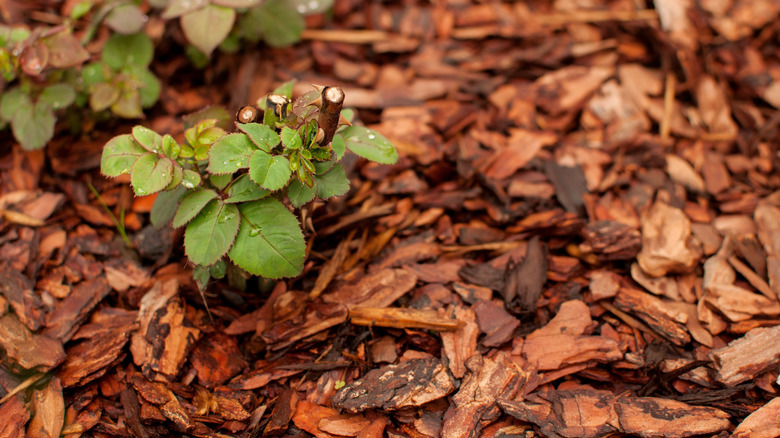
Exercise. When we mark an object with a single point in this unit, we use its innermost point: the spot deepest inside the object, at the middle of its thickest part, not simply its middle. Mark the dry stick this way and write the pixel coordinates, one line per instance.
(345, 36)
(631, 321)
(22, 386)
(666, 121)
(752, 277)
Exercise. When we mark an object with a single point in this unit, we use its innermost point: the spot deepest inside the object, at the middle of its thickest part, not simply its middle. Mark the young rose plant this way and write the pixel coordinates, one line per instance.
(230, 189)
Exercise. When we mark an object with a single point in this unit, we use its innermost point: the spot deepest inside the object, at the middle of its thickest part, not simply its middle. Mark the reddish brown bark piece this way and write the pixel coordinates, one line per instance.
(159, 395)
(667, 245)
(284, 409)
(18, 290)
(462, 343)
(592, 413)
(68, 315)
(15, 415)
(746, 357)
(106, 336)
(401, 318)
(761, 423)
(217, 358)
(27, 349)
(165, 337)
(308, 416)
(125, 274)
(475, 402)
(664, 319)
(411, 383)
(377, 289)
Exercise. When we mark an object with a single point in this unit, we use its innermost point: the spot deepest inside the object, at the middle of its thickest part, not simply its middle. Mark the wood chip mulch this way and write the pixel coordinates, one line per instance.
(581, 239)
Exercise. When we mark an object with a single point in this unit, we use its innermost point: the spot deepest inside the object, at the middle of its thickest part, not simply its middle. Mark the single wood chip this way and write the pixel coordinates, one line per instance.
(667, 246)
(762, 423)
(217, 358)
(407, 384)
(475, 402)
(745, 358)
(587, 413)
(29, 350)
(402, 318)
(164, 339)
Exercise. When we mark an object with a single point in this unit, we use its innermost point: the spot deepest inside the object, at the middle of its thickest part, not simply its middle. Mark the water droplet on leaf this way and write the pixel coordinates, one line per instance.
(254, 232)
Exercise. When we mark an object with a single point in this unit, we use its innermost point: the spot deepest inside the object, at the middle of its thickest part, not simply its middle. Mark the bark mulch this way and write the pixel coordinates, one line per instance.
(581, 239)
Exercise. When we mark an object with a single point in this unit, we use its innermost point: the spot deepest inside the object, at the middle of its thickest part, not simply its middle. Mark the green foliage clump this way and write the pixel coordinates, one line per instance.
(229, 189)
(44, 68)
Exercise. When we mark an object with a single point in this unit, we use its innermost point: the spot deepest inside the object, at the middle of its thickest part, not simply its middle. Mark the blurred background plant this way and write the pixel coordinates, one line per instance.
(92, 58)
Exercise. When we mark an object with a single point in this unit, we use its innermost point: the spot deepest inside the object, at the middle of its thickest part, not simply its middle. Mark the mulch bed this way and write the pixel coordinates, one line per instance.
(581, 239)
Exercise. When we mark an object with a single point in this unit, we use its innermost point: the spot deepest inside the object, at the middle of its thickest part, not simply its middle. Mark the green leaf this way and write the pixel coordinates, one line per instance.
(220, 181)
(190, 179)
(223, 118)
(230, 153)
(119, 155)
(150, 174)
(164, 207)
(170, 147)
(369, 144)
(126, 50)
(299, 193)
(11, 101)
(269, 242)
(211, 233)
(269, 171)
(290, 138)
(244, 189)
(191, 205)
(178, 176)
(205, 28)
(148, 139)
(281, 23)
(58, 95)
(33, 125)
(103, 96)
(339, 146)
(262, 136)
(94, 73)
(333, 183)
(126, 19)
(149, 85)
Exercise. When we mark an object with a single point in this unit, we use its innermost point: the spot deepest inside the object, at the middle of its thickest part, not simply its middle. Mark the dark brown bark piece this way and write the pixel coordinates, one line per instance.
(569, 183)
(524, 281)
(497, 324)
(284, 409)
(132, 408)
(611, 240)
(217, 358)
(408, 384)
(27, 349)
